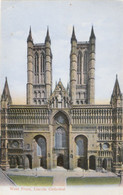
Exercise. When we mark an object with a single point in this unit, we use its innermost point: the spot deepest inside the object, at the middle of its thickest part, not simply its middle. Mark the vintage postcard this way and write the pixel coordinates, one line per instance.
(61, 83)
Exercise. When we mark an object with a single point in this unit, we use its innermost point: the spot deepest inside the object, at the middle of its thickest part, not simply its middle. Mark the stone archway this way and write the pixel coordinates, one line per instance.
(104, 163)
(60, 160)
(92, 162)
(28, 162)
(82, 163)
(81, 151)
(40, 151)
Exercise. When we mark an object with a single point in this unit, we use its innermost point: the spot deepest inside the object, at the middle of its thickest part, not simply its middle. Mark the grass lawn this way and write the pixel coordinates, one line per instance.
(93, 181)
(32, 181)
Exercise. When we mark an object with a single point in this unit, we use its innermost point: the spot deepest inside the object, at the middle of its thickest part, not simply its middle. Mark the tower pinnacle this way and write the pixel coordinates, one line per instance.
(30, 36)
(6, 93)
(47, 39)
(92, 33)
(116, 90)
(73, 38)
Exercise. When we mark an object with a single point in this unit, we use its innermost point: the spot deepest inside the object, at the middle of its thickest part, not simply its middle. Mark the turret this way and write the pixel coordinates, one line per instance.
(6, 97)
(116, 98)
(117, 120)
(5, 101)
(48, 65)
(91, 68)
(73, 67)
(29, 68)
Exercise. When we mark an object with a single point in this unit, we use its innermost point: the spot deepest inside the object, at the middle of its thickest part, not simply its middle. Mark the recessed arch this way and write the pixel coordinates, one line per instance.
(41, 150)
(85, 61)
(42, 62)
(60, 113)
(60, 122)
(81, 143)
(79, 61)
(79, 67)
(36, 63)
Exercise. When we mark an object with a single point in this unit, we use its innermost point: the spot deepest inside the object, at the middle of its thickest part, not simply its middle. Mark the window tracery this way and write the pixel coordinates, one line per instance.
(60, 138)
(36, 63)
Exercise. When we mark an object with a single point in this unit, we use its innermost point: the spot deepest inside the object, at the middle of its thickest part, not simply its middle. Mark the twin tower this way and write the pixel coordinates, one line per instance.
(82, 71)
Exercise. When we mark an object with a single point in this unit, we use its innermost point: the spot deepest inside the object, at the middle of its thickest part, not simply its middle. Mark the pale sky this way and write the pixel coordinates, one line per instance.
(105, 15)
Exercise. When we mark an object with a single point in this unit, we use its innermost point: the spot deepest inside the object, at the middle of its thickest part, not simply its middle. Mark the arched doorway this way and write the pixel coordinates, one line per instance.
(12, 162)
(28, 162)
(81, 151)
(40, 151)
(82, 162)
(92, 162)
(18, 161)
(60, 161)
(104, 164)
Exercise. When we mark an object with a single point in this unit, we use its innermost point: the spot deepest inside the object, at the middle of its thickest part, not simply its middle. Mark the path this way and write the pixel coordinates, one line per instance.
(4, 180)
(59, 179)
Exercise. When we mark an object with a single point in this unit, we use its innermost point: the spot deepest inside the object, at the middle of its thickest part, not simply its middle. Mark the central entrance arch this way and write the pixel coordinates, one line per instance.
(61, 139)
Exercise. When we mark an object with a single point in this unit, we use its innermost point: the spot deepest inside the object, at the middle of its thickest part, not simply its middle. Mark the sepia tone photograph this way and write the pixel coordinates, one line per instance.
(61, 100)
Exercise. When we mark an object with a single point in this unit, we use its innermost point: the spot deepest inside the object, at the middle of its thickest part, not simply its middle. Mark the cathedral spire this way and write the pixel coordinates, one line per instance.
(30, 36)
(6, 93)
(73, 38)
(47, 39)
(116, 98)
(92, 33)
(116, 90)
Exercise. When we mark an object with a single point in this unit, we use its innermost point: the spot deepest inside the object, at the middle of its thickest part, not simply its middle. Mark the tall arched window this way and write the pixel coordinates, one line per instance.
(85, 61)
(42, 63)
(36, 63)
(80, 146)
(79, 62)
(41, 147)
(79, 67)
(60, 138)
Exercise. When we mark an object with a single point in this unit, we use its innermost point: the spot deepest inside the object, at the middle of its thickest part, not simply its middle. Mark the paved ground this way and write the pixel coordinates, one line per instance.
(4, 180)
(60, 174)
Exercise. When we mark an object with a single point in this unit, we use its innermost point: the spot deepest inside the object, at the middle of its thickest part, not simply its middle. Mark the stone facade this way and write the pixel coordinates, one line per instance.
(63, 127)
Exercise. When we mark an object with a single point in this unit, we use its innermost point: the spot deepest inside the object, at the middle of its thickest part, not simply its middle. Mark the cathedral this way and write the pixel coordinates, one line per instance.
(61, 127)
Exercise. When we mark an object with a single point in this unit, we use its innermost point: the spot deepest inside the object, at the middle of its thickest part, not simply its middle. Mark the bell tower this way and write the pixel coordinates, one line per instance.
(82, 70)
(91, 68)
(39, 71)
